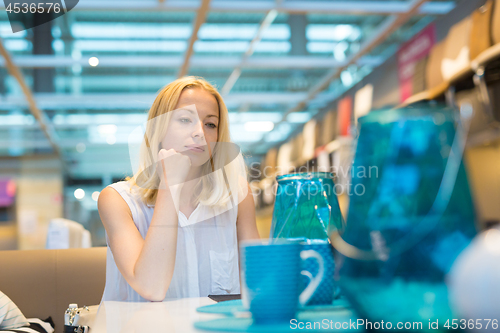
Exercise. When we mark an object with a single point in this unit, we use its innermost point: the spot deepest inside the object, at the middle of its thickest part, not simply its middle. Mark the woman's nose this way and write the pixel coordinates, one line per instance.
(198, 130)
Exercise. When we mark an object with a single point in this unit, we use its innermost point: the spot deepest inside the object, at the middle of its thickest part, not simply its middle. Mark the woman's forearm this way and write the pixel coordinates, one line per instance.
(154, 268)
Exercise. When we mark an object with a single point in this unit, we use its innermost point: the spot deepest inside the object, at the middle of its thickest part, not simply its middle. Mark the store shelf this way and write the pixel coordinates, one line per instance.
(485, 137)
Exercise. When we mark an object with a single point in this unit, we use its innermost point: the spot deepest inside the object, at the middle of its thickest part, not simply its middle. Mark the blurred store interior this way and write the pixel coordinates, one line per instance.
(295, 74)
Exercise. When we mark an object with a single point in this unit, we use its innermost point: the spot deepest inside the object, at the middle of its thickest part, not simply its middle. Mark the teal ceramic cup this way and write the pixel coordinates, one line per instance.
(327, 288)
(271, 277)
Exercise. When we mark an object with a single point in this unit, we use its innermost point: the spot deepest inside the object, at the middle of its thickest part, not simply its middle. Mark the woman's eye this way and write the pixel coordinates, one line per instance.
(211, 125)
(185, 120)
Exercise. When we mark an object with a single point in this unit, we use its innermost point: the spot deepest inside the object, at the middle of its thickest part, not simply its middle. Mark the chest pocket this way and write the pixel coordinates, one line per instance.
(222, 272)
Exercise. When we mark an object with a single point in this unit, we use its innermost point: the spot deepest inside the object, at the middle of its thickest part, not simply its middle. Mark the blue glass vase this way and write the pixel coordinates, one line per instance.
(413, 218)
(306, 206)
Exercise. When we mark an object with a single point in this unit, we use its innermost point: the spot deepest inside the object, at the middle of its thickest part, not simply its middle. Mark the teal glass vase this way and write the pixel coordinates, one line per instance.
(306, 206)
(409, 220)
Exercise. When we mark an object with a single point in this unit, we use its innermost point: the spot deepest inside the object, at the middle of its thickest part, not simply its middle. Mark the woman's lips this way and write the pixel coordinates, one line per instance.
(196, 149)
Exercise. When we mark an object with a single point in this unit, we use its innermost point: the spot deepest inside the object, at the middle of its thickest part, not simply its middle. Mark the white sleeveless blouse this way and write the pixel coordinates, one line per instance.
(206, 261)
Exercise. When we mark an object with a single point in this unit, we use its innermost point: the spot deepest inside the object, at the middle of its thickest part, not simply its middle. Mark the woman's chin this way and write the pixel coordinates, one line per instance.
(197, 159)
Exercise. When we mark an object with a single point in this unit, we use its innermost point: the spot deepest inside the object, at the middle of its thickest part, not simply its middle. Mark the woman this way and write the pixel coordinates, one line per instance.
(173, 229)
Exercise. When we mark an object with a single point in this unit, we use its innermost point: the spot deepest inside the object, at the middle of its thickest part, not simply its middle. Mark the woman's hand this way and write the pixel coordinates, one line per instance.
(172, 167)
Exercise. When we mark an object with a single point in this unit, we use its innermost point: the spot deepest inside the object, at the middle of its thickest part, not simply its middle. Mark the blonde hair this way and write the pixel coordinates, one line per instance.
(212, 187)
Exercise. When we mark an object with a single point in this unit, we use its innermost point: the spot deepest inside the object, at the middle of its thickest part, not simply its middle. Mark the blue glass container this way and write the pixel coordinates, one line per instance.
(306, 205)
(410, 220)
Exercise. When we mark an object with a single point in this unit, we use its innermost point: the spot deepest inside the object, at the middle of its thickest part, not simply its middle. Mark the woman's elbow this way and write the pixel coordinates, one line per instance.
(151, 292)
(153, 295)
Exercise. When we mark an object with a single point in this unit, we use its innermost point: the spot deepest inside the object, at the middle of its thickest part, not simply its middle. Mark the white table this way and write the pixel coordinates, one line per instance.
(175, 316)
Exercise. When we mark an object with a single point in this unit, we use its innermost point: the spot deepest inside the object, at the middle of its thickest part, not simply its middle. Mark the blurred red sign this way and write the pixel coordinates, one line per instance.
(409, 54)
(7, 192)
(344, 116)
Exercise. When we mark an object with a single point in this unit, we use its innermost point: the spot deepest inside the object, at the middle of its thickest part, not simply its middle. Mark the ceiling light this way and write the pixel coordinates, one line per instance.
(79, 194)
(111, 139)
(93, 61)
(81, 147)
(259, 126)
(95, 195)
(107, 129)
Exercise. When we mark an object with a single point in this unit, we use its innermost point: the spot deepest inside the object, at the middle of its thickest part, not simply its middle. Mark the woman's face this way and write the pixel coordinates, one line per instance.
(194, 125)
